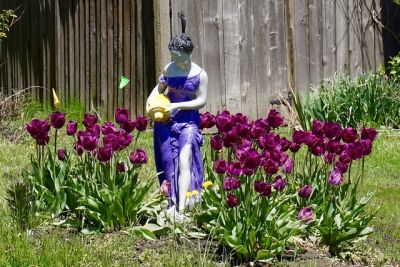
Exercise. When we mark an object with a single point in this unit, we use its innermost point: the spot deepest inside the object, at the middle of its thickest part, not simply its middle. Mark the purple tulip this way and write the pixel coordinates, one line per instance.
(285, 144)
(318, 128)
(366, 147)
(57, 119)
(305, 214)
(61, 154)
(349, 135)
(105, 153)
(121, 115)
(111, 140)
(279, 183)
(220, 166)
(230, 138)
(231, 183)
(38, 129)
(274, 119)
(270, 166)
(88, 140)
(142, 123)
(207, 120)
(72, 127)
(216, 142)
(262, 188)
(124, 139)
(300, 137)
(305, 191)
(333, 146)
(251, 162)
(89, 120)
(95, 130)
(256, 131)
(121, 167)
(78, 148)
(294, 147)
(243, 130)
(355, 150)
(335, 177)
(269, 141)
(345, 156)
(232, 200)
(342, 167)
(128, 126)
(224, 122)
(234, 169)
(332, 130)
(108, 128)
(329, 157)
(138, 157)
(239, 118)
(288, 165)
(368, 133)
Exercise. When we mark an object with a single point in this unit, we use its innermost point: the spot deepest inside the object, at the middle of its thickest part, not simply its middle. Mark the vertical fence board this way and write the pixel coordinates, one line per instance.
(315, 25)
(232, 54)
(261, 45)
(213, 59)
(133, 61)
(247, 57)
(301, 37)
(342, 37)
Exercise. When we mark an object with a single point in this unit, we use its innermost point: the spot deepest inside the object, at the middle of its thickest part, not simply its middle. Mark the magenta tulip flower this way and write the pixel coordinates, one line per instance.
(305, 191)
(138, 157)
(220, 166)
(121, 115)
(61, 154)
(305, 214)
(335, 177)
(57, 119)
(72, 127)
(232, 200)
(274, 119)
(279, 183)
(89, 120)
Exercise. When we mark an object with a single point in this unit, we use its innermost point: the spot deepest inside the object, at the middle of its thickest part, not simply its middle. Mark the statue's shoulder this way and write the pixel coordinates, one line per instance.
(168, 69)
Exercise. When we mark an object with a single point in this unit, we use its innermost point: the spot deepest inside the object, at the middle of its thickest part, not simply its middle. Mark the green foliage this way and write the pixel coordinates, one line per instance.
(19, 198)
(6, 18)
(366, 100)
(394, 68)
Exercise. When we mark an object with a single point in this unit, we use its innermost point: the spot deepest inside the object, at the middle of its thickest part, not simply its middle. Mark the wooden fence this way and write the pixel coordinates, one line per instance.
(80, 48)
(254, 51)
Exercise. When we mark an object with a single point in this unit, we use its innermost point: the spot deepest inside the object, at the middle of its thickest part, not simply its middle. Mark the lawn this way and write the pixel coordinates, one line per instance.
(52, 246)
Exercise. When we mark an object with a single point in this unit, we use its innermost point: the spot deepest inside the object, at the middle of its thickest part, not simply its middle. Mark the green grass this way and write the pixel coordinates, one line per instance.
(50, 246)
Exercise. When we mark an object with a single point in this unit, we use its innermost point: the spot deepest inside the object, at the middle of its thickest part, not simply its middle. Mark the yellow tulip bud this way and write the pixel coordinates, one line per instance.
(188, 194)
(56, 101)
(195, 193)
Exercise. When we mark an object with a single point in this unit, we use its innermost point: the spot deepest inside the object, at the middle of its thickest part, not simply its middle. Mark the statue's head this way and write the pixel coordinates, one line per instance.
(181, 43)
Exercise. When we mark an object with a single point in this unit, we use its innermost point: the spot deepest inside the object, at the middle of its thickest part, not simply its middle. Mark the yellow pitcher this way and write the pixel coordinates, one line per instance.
(156, 108)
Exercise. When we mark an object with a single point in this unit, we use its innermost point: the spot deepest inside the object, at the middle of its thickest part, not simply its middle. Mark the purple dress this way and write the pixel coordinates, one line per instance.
(181, 129)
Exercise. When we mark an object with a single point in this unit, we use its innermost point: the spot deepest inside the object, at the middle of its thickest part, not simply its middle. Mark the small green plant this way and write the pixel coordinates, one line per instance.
(19, 198)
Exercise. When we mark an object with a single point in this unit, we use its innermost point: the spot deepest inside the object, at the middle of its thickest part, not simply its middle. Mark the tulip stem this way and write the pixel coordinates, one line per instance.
(55, 144)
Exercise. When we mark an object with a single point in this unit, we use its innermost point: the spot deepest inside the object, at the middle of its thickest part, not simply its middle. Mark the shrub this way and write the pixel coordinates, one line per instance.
(369, 99)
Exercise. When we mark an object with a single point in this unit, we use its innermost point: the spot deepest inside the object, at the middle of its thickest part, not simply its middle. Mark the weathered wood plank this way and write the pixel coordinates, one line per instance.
(329, 38)
(232, 54)
(110, 60)
(315, 28)
(140, 97)
(247, 58)
(302, 43)
(263, 86)
(276, 70)
(103, 59)
(126, 50)
(134, 60)
(342, 36)
(213, 55)
(355, 52)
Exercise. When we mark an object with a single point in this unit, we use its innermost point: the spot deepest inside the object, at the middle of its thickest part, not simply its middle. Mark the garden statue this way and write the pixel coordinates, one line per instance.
(174, 106)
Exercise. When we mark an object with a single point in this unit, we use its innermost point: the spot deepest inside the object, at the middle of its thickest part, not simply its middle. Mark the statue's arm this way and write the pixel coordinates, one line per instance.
(201, 96)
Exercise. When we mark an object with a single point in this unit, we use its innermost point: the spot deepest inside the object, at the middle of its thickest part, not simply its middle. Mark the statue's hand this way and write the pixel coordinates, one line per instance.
(171, 108)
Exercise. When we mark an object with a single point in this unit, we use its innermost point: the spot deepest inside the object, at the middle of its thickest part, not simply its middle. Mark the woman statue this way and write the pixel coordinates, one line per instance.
(177, 141)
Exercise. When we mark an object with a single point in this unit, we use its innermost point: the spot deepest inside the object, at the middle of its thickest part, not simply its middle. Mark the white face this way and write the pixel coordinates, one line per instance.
(180, 57)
